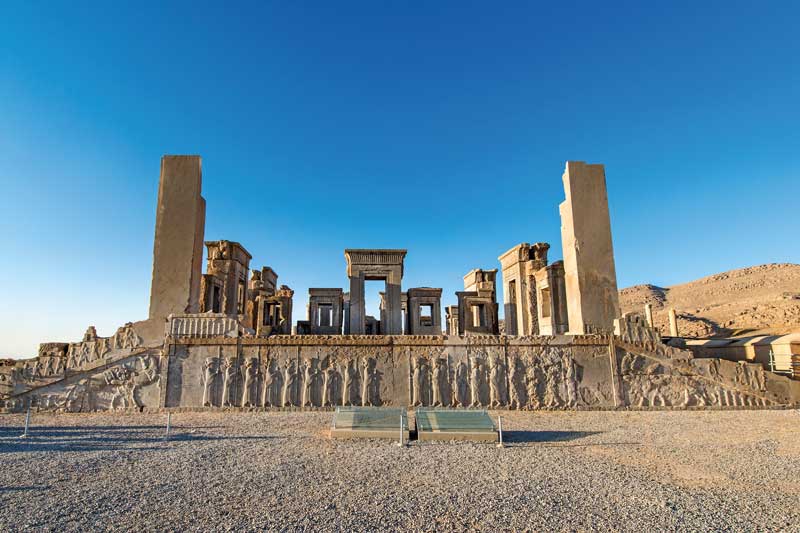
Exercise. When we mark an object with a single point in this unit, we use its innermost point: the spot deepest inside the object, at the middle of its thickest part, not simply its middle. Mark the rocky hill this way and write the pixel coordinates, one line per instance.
(761, 299)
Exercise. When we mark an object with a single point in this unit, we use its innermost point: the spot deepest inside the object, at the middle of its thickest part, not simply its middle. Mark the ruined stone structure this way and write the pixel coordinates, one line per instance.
(218, 340)
(535, 294)
(477, 304)
(325, 312)
(589, 273)
(424, 311)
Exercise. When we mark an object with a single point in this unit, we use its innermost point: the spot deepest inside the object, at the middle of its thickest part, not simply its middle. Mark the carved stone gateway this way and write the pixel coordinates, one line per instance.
(424, 311)
(384, 265)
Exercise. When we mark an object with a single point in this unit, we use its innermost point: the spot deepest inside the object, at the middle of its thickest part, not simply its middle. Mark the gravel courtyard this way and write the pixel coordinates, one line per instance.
(562, 471)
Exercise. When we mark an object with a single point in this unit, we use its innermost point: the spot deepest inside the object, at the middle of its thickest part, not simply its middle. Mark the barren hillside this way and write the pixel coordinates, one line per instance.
(759, 299)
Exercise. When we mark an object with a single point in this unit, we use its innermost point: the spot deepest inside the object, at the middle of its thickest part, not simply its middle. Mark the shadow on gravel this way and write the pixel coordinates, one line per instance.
(25, 488)
(111, 438)
(545, 436)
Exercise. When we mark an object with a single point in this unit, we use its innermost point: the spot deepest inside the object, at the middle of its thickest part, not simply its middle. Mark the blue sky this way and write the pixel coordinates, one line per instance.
(440, 127)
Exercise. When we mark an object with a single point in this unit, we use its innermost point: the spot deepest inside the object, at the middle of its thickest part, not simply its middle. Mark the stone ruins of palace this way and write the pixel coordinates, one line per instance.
(224, 338)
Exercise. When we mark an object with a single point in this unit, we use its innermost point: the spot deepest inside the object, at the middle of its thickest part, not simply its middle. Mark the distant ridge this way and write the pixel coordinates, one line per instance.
(763, 299)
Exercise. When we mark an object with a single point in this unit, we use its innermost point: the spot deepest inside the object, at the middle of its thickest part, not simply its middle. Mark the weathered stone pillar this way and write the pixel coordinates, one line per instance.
(394, 306)
(673, 322)
(357, 306)
(648, 314)
(590, 275)
(178, 244)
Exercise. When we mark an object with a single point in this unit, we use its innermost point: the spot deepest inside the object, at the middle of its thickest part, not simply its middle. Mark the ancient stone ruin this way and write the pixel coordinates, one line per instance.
(225, 338)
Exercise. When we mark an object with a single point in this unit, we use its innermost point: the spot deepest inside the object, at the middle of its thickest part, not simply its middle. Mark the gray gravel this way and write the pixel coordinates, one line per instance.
(584, 471)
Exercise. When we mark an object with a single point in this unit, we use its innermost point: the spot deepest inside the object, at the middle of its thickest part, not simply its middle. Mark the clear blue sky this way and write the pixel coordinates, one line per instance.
(441, 127)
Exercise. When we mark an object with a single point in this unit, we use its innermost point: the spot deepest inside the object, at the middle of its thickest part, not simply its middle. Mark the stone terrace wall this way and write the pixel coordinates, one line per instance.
(323, 371)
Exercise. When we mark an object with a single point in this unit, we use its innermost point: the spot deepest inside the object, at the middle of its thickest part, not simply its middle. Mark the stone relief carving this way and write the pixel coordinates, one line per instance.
(370, 383)
(310, 375)
(419, 373)
(117, 387)
(290, 380)
(331, 385)
(352, 381)
(497, 382)
(211, 371)
(230, 378)
(660, 383)
(516, 384)
(273, 385)
(460, 385)
(252, 373)
(476, 383)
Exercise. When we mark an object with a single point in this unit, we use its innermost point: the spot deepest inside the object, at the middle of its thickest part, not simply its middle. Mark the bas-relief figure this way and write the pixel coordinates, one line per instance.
(370, 384)
(211, 369)
(230, 376)
(290, 380)
(438, 380)
(273, 384)
(475, 383)
(310, 375)
(460, 386)
(252, 373)
(331, 385)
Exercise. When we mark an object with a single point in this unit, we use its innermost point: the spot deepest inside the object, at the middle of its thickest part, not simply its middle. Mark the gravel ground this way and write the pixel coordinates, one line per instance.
(562, 471)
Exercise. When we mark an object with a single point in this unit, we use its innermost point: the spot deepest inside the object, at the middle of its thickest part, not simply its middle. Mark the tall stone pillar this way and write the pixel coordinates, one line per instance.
(394, 306)
(178, 245)
(673, 322)
(357, 305)
(590, 275)
(648, 314)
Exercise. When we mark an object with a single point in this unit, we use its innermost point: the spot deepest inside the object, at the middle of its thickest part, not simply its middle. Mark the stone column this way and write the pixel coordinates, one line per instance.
(590, 275)
(394, 305)
(357, 305)
(648, 314)
(673, 322)
(178, 244)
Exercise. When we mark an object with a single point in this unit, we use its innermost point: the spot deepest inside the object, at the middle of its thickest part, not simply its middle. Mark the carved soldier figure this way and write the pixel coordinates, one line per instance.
(346, 383)
(267, 396)
(475, 383)
(210, 372)
(48, 365)
(551, 396)
(437, 382)
(251, 373)
(461, 386)
(352, 371)
(329, 384)
(418, 380)
(289, 381)
(229, 381)
(515, 376)
(496, 398)
(309, 376)
(571, 380)
(370, 385)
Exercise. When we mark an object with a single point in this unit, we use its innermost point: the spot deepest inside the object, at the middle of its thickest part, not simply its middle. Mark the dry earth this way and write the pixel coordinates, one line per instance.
(761, 299)
(562, 471)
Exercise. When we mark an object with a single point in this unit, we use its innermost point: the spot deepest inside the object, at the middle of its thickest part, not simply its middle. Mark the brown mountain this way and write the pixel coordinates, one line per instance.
(762, 299)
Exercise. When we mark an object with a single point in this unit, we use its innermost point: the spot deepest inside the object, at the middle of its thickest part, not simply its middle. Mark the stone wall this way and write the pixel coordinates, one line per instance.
(207, 361)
